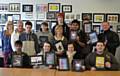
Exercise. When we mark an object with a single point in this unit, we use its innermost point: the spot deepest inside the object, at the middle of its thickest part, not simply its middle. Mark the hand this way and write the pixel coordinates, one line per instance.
(50, 66)
(107, 64)
(93, 69)
(59, 52)
(83, 67)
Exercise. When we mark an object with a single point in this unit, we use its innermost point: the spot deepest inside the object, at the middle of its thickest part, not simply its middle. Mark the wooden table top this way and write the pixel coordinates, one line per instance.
(52, 72)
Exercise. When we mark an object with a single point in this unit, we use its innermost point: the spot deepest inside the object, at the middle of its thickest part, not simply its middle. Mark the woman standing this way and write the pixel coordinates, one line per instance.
(6, 38)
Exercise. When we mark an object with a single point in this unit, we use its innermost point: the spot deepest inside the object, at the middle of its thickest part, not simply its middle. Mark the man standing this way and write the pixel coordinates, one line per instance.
(110, 38)
(29, 39)
(16, 33)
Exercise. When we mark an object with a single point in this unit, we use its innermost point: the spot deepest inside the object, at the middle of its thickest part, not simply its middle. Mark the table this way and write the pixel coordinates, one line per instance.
(88, 73)
(26, 72)
(52, 72)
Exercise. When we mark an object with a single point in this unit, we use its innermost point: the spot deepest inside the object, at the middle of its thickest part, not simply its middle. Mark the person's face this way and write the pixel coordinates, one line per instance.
(74, 26)
(44, 28)
(59, 30)
(28, 28)
(105, 26)
(60, 20)
(18, 47)
(10, 25)
(100, 47)
(20, 27)
(46, 47)
(70, 47)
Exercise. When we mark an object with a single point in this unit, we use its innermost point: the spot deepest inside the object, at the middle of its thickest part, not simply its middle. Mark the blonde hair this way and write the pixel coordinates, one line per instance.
(9, 23)
(58, 27)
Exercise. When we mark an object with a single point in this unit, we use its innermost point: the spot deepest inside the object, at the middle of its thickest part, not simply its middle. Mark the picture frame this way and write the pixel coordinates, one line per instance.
(16, 17)
(41, 8)
(14, 7)
(93, 37)
(59, 46)
(53, 7)
(36, 60)
(51, 15)
(38, 24)
(96, 28)
(40, 16)
(3, 18)
(63, 64)
(77, 65)
(4, 7)
(87, 27)
(53, 23)
(98, 17)
(86, 16)
(67, 8)
(112, 17)
(27, 8)
(49, 58)
(17, 60)
(118, 28)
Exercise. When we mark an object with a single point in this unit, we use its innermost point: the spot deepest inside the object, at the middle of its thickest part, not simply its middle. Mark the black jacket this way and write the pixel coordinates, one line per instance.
(112, 40)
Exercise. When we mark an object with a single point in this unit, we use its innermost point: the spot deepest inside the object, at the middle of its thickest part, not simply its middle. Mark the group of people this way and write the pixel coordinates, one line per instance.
(66, 41)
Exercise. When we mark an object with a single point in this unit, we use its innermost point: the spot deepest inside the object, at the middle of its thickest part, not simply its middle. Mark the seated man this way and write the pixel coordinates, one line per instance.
(19, 58)
(101, 59)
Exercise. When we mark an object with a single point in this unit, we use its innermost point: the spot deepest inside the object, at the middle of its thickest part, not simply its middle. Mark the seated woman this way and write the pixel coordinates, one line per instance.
(101, 59)
(71, 54)
(48, 55)
(19, 58)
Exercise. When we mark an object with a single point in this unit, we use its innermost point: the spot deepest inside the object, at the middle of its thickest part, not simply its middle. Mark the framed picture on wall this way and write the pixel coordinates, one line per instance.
(41, 16)
(96, 28)
(112, 18)
(67, 8)
(27, 8)
(86, 16)
(118, 28)
(41, 8)
(51, 15)
(14, 7)
(53, 23)
(16, 17)
(53, 7)
(3, 18)
(98, 17)
(4, 7)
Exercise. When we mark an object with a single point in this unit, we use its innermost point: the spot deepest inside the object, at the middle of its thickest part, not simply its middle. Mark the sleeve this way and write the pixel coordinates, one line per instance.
(114, 41)
(37, 48)
(13, 39)
(87, 61)
(114, 63)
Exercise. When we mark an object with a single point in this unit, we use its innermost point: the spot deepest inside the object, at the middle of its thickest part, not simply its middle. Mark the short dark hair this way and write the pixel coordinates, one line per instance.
(76, 21)
(45, 24)
(18, 42)
(28, 23)
(72, 42)
(100, 42)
